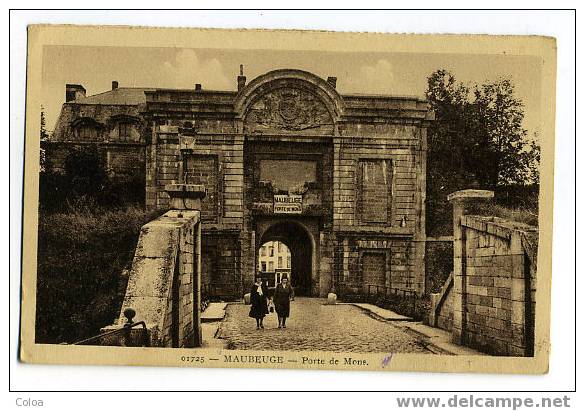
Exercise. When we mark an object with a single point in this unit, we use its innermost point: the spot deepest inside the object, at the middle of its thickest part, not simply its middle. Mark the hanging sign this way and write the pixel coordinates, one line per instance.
(288, 204)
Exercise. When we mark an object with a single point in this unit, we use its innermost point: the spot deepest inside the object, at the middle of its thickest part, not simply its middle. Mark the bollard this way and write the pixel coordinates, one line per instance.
(331, 299)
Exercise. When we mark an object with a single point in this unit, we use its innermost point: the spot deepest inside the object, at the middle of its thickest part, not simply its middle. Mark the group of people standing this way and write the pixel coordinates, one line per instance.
(260, 301)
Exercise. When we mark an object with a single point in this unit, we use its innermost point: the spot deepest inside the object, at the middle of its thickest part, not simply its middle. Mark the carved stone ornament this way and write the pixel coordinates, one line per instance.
(288, 109)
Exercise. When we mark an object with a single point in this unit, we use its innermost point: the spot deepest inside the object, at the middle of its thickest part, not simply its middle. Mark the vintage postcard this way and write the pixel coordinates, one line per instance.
(288, 199)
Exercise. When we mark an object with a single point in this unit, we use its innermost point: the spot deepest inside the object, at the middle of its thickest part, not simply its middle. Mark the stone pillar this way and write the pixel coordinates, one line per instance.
(185, 198)
(419, 244)
(520, 297)
(197, 288)
(249, 260)
(326, 263)
(461, 201)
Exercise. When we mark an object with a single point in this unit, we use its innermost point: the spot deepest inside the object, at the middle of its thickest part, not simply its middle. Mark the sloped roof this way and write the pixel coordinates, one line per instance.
(129, 96)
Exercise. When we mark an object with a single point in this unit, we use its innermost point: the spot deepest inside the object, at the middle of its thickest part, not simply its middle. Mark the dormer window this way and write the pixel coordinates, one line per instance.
(124, 128)
(87, 129)
(125, 131)
(87, 132)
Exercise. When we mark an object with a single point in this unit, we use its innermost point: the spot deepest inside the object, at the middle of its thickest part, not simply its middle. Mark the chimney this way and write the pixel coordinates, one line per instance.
(332, 81)
(114, 85)
(74, 92)
(241, 78)
(197, 87)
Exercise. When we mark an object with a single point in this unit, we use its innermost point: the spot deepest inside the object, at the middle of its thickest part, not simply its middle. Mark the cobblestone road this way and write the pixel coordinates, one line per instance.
(315, 326)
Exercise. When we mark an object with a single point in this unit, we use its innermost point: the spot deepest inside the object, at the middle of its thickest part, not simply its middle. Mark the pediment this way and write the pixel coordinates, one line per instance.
(288, 110)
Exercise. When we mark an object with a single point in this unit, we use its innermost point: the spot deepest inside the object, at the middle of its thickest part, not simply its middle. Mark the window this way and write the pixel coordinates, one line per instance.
(375, 191)
(270, 266)
(124, 131)
(271, 251)
(373, 264)
(279, 262)
(288, 262)
(87, 133)
(263, 265)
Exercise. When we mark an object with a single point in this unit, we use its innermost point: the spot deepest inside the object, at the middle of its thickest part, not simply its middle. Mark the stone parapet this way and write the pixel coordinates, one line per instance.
(470, 195)
(163, 282)
(493, 280)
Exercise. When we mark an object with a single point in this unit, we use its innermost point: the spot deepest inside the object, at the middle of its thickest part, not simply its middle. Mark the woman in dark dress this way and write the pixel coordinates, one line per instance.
(283, 294)
(259, 302)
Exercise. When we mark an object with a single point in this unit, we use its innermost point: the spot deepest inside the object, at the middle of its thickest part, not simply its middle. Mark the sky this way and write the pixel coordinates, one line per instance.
(379, 73)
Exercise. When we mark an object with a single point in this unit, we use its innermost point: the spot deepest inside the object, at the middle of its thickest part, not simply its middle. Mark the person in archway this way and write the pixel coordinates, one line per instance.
(283, 294)
(259, 301)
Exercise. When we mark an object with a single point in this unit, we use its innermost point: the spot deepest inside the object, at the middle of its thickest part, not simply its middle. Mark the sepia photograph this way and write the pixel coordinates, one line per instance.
(288, 199)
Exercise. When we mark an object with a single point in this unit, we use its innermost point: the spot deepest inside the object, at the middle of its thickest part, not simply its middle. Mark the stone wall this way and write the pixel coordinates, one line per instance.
(162, 159)
(395, 273)
(163, 285)
(175, 156)
(221, 264)
(489, 302)
(399, 230)
(403, 164)
(170, 157)
(500, 287)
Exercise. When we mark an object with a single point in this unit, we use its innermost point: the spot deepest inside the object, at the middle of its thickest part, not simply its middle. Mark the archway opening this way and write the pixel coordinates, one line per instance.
(274, 261)
(296, 251)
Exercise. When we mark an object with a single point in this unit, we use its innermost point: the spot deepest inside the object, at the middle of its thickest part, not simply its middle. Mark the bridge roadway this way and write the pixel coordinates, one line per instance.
(316, 326)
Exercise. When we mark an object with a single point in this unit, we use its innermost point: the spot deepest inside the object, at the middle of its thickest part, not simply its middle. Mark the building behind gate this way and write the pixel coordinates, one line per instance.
(338, 178)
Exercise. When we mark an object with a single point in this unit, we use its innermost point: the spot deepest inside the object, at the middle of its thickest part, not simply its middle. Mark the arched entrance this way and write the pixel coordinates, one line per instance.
(301, 245)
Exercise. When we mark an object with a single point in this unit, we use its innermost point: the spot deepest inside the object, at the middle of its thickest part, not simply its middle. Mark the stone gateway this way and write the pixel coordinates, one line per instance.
(338, 178)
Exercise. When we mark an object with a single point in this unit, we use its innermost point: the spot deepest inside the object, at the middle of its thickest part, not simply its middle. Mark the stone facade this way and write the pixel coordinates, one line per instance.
(340, 179)
(359, 212)
(274, 256)
(110, 121)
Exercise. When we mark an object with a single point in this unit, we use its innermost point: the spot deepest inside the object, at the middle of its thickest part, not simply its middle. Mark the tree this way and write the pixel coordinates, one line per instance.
(532, 160)
(499, 115)
(85, 172)
(476, 141)
(448, 141)
(480, 138)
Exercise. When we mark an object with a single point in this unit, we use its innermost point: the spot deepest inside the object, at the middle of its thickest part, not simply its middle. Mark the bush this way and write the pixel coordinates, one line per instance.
(85, 180)
(82, 254)
(514, 202)
(518, 214)
(410, 305)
